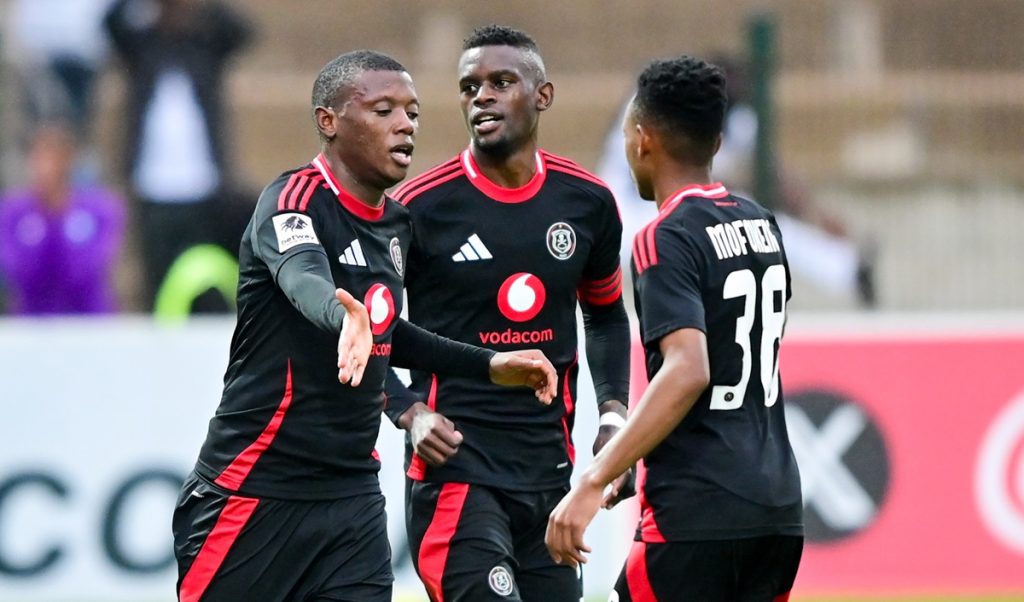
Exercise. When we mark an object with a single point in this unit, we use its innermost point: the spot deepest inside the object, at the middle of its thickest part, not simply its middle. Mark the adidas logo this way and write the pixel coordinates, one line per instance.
(353, 255)
(472, 250)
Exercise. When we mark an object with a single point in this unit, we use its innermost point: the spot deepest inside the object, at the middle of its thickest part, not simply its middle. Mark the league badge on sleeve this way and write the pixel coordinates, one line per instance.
(561, 240)
(293, 229)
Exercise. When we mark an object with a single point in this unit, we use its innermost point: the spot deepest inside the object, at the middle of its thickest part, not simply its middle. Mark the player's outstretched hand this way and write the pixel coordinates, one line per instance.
(568, 521)
(528, 367)
(356, 339)
(433, 436)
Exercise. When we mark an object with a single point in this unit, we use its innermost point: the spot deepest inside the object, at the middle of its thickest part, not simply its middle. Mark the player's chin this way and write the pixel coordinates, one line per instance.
(493, 143)
(393, 174)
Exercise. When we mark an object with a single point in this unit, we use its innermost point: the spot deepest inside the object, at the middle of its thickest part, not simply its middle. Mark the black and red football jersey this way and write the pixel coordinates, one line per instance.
(504, 268)
(286, 428)
(715, 262)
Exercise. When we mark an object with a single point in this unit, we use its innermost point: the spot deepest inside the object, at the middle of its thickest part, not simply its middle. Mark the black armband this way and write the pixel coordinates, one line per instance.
(417, 349)
(607, 339)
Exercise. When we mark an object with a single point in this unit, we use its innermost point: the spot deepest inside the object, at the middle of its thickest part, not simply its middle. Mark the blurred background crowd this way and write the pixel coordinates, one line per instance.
(888, 136)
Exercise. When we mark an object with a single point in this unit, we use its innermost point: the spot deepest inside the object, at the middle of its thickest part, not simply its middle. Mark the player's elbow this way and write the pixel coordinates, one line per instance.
(698, 379)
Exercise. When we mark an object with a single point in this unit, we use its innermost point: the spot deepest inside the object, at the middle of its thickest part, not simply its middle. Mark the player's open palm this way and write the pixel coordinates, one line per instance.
(355, 341)
(528, 367)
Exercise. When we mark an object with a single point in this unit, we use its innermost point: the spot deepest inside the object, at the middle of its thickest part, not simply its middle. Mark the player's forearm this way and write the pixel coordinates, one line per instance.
(607, 342)
(399, 399)
(612, 406)
(418, 349)
(306, 280)
(667, 400)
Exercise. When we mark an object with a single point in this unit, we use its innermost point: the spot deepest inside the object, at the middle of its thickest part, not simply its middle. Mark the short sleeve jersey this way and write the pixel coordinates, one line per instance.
(286, 428)
(715, 262)
(504, 268)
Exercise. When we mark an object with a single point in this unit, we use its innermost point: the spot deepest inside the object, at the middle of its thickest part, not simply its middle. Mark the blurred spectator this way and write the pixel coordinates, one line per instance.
(819, 249)
(58, 241)
(175, 53)
(56, 48)
(59, 47)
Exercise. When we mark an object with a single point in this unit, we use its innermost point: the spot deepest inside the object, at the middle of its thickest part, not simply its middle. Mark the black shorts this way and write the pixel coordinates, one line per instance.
(231, 548)
(758, 569)
(472, 543)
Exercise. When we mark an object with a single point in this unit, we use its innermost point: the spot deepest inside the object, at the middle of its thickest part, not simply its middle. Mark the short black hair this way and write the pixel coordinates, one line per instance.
(499, 35)
(331, 86)
(683, 95)
(502, 35)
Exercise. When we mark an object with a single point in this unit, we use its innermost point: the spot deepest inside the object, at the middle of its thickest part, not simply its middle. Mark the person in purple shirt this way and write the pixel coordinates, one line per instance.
(59, 241)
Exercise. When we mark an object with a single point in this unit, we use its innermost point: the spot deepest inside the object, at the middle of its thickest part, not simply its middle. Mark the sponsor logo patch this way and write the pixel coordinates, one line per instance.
(500, 581)
(353, 255)
(521, 297)
(293, 229)
(474, 249)
(380, 304)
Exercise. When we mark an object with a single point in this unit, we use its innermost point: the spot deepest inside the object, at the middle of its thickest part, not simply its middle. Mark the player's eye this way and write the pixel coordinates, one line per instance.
(413, 115)
(501, 84)
(469, 88)
(382, 112)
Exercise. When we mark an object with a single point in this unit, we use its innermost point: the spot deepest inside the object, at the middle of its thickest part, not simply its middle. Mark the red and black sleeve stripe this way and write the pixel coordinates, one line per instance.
(601, 292)
(299, 190)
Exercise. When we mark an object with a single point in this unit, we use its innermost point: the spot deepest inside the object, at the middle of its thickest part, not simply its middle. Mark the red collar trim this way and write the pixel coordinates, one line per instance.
(714, 190)
(498, 193)
(346, 198)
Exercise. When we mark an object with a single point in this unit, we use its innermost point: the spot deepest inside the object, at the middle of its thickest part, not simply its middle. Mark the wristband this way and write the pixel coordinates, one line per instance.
(612, 419)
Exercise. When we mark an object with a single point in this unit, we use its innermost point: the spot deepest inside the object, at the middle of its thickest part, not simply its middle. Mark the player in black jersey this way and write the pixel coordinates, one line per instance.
(509, 239)
(284, 502)
(721, 512)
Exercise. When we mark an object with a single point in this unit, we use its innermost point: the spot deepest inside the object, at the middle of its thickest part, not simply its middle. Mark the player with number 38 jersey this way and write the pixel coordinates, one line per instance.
(713, 261)
(721, 509)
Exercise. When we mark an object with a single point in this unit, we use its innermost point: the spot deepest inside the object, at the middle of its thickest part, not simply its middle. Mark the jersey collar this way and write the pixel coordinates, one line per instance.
(715, 190)
(498, 193)
(347, 199)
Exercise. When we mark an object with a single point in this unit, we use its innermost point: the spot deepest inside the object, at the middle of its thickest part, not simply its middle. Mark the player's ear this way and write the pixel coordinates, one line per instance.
(644, 140)
(545, 96)
(717, 145)
(326, 122)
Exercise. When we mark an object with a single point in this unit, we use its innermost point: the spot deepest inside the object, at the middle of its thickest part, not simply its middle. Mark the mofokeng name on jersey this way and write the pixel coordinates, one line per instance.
(293, 229)
(742, 236)
(516, 337)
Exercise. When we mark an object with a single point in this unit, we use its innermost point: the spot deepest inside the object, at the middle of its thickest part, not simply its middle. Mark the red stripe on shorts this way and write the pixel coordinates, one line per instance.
(232, 519)
(639, 583)
(438, 538)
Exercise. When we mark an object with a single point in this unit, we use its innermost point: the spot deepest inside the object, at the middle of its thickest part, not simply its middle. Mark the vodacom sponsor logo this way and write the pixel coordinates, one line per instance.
(999, 476)
(381, 306)
(521, 297)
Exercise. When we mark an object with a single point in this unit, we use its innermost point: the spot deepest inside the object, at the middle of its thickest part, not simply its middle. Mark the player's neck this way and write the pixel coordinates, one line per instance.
(370, 196)
(511, 170)
(671, 178)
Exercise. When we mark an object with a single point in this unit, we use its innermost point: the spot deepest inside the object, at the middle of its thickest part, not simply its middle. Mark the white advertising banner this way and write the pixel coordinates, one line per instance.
(101, 421)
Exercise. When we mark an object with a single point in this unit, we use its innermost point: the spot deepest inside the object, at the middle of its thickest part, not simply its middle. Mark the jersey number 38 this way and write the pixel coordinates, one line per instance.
(743, 283)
